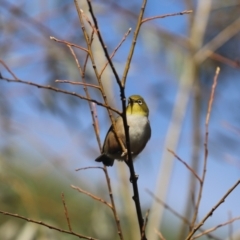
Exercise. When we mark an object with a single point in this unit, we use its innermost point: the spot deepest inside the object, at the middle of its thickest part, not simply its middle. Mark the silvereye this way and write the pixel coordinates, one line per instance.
(139, 132)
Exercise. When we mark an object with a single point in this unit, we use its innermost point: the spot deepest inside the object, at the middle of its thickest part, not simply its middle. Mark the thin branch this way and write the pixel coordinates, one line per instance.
(66, 212)
(123, 98)
(61, 91)
(176, 214)
(205, 146)
(92, 196)
(93, 107)
(115, 50)
(159, 234)
(134, 41)
(166, 206)
(222, 59)
(210, 213)
(88, 20)
(80, 12)
(69, 43)
(111, 197)
(145, 224)
(166, 15)
(47, 225)
(216, 227)
(96, 125)
(187, 166)
(102, 42)
(8, 69)
(78, 83)
(85, 168)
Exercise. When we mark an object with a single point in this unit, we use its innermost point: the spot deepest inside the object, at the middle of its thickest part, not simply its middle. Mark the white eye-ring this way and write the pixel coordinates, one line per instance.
(139, 102)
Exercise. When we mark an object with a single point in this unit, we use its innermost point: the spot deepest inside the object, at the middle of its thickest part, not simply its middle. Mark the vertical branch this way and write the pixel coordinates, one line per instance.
(123, 98)
(98, 76)
(66, 212)
(134, 41)
(96, 129)
(205, 146)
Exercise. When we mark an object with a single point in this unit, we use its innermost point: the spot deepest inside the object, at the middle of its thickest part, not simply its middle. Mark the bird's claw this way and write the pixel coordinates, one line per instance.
(135, 178)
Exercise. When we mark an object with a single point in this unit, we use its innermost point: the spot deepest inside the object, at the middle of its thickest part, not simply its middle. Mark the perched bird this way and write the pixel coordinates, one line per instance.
(139, 132)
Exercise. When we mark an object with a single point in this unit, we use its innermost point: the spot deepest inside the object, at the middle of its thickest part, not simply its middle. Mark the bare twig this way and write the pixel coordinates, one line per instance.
(61, 91)
(175, 213)
(222, 59)
(95, 124)
(115, 50)
(216, 227)
(145, 224)
(167, 15)
(78, 83)
(210, 213)
(111, 197)
(159, 234)
(8, 69)
(47, 225)
(85, 168)
(66, 213)
(88, 20)
(92, 196)
(94, 65)
(102, 42)
(134, 41)
(91, 105)
(69, 43)
(93, 108)
(205, 147)
(187, 166)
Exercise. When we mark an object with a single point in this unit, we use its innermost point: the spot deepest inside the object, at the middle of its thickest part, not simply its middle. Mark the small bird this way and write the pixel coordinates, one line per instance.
(139, 132)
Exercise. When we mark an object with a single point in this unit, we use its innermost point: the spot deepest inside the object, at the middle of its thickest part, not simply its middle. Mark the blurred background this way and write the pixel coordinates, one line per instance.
(45, 135)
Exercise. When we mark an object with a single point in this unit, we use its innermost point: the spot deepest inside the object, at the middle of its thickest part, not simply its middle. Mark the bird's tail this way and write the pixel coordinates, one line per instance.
(107, 161)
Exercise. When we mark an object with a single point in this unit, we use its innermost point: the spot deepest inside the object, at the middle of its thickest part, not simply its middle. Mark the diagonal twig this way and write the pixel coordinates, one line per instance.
(134, 41)
(216, 227)
(68, 43)
(66, 212)
(92, 196)
(145, 225)
(159, 234)
(205, 147)
(175, 213)
(166, 15)
(187, 166)
(61, 91)
(47, 225)
(115, 50)
(78, 83)
(210, 213)
(8, 69)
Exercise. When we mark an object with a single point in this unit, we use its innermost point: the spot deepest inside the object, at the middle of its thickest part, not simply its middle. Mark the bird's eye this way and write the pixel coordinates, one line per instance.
(139, 102)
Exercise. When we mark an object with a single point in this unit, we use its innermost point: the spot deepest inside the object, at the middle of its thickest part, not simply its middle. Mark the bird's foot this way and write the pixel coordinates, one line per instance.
(124, 153)
(135, 178)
